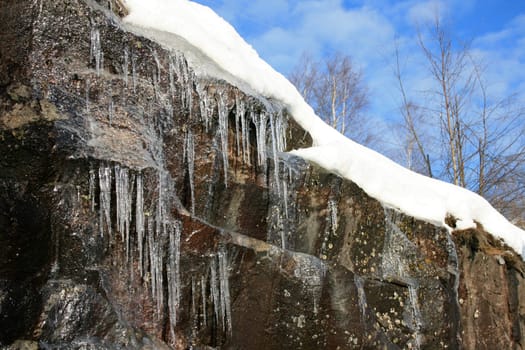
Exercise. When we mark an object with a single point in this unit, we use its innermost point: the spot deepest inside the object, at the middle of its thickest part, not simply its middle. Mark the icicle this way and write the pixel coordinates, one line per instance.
(260, 133)
(280, 132)
(139, 222)
(124, 190)
(225, 290)
(214, 290)
(361, 297)
(223, 133)
(157, 247)
(174, 274)
(240, 110)
(161, 222)
(190, 157)
(285, 197)
(203, 296)
(274, 153)
(245, 138)
(157, 271)
(159, 66)
(186, 83)
(92, 188)
(204, 105)
(104, 176)
(125, 66)
(178, 68)
(152, 258)
(96, 50)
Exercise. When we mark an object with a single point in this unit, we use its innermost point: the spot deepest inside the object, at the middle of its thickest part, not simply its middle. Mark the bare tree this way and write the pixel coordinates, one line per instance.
(335, 89)
(482, 137)
(412, 121)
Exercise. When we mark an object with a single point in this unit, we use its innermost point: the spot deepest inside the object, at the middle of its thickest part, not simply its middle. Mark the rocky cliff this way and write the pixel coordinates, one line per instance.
(144, 207)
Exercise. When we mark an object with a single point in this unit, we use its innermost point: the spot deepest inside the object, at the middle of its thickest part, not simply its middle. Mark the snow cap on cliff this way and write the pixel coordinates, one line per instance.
(414, 194)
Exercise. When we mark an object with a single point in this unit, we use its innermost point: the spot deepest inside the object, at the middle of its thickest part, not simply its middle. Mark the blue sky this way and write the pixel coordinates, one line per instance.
(281, 30)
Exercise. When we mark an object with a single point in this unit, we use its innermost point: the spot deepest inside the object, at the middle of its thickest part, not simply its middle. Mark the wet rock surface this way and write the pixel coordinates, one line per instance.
(143, 207)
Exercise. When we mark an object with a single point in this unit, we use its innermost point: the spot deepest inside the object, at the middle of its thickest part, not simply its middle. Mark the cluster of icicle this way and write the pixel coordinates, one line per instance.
(156, 235)
(150, 236)
(156, 243)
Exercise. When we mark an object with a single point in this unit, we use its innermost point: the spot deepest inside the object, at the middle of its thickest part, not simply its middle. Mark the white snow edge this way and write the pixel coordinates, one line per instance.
(413, 194)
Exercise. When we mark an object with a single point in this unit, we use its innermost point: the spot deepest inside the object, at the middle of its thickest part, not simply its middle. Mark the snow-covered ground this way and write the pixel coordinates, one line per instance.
(236, 61)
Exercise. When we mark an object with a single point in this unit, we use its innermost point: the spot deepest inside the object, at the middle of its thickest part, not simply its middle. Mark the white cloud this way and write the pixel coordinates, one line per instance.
(422, 13)
(326, 26)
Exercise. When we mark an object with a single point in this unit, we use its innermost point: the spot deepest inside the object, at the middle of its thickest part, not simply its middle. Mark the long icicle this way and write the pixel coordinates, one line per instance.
(139, 222)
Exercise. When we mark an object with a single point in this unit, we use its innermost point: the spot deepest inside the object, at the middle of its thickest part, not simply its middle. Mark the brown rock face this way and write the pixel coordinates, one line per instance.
(143, 207)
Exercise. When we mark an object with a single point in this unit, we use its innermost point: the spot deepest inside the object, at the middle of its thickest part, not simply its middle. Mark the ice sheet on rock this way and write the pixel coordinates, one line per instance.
(397, 250)
(311, 272)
